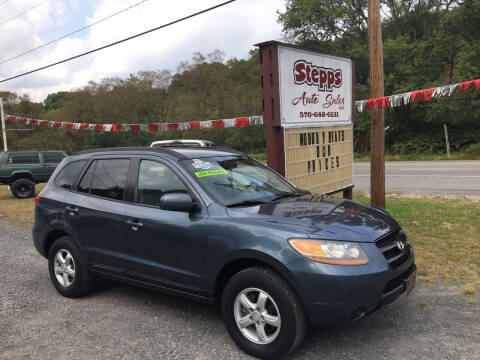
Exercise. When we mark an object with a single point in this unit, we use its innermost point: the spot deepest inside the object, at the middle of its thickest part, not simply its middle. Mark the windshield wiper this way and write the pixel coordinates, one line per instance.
(282, 196)
(248, 202)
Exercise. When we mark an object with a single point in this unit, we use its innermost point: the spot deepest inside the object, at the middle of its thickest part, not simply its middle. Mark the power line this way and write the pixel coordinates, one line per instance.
(72, 33)
(23, 13)
(120, 41)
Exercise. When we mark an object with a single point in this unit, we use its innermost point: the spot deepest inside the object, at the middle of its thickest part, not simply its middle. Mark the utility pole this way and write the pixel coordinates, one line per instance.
(446, 139)
(4, 129)
(377, 133)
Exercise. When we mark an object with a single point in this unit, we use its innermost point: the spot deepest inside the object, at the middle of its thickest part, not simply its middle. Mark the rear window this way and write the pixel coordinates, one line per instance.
(106, 178)
(67, 176)
(52, 156)
(23, 158)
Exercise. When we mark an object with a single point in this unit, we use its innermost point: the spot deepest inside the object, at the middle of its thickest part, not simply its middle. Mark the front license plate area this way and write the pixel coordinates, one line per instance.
(410, 283)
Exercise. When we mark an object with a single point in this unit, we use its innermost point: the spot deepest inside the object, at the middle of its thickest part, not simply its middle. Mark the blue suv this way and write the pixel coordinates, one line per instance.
(217, 226)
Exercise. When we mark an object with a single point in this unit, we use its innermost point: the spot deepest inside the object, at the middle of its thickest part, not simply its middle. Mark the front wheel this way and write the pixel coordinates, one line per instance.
(262, 313)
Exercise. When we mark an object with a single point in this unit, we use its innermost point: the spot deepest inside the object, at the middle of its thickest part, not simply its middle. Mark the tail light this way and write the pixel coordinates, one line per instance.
(37, 198)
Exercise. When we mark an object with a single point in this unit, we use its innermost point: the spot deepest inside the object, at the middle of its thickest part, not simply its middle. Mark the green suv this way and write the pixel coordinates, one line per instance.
(21, 170)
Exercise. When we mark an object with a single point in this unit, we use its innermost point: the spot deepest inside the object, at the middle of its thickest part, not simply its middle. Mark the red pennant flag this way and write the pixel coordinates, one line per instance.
(241, 122)
(465, 85)
(153, 127)
(421, 95)
(43, 123)
(378, 103)
(56, 124)
(195, 125)
(99, 127)
(217, 124)
(83, 126)
(68, 125)
(116, 128)
(134, 127)
(172, 127)
(12, 118)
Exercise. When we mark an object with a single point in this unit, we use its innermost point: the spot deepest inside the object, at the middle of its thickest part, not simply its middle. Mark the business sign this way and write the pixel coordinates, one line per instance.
(315, 89)
(308, 116)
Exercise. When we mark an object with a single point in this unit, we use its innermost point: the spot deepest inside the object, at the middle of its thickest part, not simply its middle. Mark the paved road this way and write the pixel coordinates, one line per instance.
(123, 322)
(433, 177)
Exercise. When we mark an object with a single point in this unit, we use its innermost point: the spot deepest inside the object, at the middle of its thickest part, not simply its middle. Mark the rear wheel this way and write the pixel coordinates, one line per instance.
(22, 188)
(68, 271)
(262, 313)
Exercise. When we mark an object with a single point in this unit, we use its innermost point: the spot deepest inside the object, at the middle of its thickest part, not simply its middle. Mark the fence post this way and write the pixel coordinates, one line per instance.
(4, 130)
(446, 139)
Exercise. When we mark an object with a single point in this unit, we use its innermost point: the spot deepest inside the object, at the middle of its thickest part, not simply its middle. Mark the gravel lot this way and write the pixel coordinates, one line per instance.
(123, 322)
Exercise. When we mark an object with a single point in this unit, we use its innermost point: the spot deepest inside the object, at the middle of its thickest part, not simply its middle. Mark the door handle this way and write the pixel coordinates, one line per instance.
(72, 210)
(134, 224)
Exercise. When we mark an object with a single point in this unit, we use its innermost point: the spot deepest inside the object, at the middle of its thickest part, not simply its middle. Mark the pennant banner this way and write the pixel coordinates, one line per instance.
(414, 96)
(209, 124)
(362, 105)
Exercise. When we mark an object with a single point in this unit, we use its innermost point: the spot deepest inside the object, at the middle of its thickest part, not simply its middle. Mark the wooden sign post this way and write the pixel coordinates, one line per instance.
(308, 100)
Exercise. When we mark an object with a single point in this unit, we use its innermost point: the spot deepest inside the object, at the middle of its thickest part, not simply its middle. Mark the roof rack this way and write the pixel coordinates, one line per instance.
(183, 142)
(132, 149)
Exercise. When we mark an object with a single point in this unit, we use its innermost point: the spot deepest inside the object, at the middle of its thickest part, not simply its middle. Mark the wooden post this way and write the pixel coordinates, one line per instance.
(271, 106)
(446, 139)
(377, 133)
(4, 129)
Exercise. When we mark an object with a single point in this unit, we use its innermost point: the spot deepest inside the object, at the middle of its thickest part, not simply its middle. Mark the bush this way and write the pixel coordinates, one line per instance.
(473, 150)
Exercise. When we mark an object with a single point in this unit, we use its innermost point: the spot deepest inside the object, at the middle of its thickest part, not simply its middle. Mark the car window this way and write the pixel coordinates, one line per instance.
(67, 176)
(52, 156)
(109, 178)
(23, 158)
(84, 185)
(154, 180)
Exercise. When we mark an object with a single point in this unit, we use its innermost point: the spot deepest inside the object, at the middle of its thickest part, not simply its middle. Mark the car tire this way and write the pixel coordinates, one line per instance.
(281, 307)
(68, 270)
(22, 188)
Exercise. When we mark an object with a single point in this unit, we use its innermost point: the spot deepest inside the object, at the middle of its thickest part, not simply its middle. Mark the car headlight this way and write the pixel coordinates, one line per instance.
(330, 252)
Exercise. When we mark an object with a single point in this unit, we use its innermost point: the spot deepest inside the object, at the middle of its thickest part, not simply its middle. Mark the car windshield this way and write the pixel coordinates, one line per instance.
(236, 181)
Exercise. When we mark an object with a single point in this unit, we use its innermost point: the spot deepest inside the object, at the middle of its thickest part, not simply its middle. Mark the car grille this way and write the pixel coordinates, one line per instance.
(387, 244)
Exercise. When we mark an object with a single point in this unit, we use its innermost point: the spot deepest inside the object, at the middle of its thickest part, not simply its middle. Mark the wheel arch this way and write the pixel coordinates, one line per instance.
(235, 265)
(21, 175)
(54, 235)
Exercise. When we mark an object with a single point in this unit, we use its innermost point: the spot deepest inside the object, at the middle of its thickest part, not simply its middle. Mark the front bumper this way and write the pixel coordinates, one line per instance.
(335, 294)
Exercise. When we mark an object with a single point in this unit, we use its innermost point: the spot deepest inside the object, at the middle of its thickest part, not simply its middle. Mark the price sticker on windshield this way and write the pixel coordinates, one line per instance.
(201, 174)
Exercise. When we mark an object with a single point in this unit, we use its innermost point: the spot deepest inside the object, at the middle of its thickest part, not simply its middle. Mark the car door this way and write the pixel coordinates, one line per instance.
(164, 246)
(95, 213)
(50, 161)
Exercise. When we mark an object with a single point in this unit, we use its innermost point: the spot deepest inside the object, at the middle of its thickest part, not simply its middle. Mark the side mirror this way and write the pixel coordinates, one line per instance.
(177, 202)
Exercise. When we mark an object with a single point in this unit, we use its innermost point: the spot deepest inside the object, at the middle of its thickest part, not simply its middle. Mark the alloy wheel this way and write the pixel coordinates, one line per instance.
(257, 316)
(64, 267)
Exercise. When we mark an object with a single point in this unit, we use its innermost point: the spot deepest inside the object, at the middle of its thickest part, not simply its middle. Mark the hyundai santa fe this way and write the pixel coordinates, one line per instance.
(215, 225)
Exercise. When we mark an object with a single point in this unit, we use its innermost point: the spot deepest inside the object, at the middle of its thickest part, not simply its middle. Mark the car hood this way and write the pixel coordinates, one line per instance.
(320, 216)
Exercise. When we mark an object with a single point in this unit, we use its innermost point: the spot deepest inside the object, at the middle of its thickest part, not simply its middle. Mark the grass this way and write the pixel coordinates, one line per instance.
(17, 211)
(445, 232)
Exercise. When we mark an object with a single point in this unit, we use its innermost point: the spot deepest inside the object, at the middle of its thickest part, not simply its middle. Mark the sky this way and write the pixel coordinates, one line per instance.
(233, 29)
